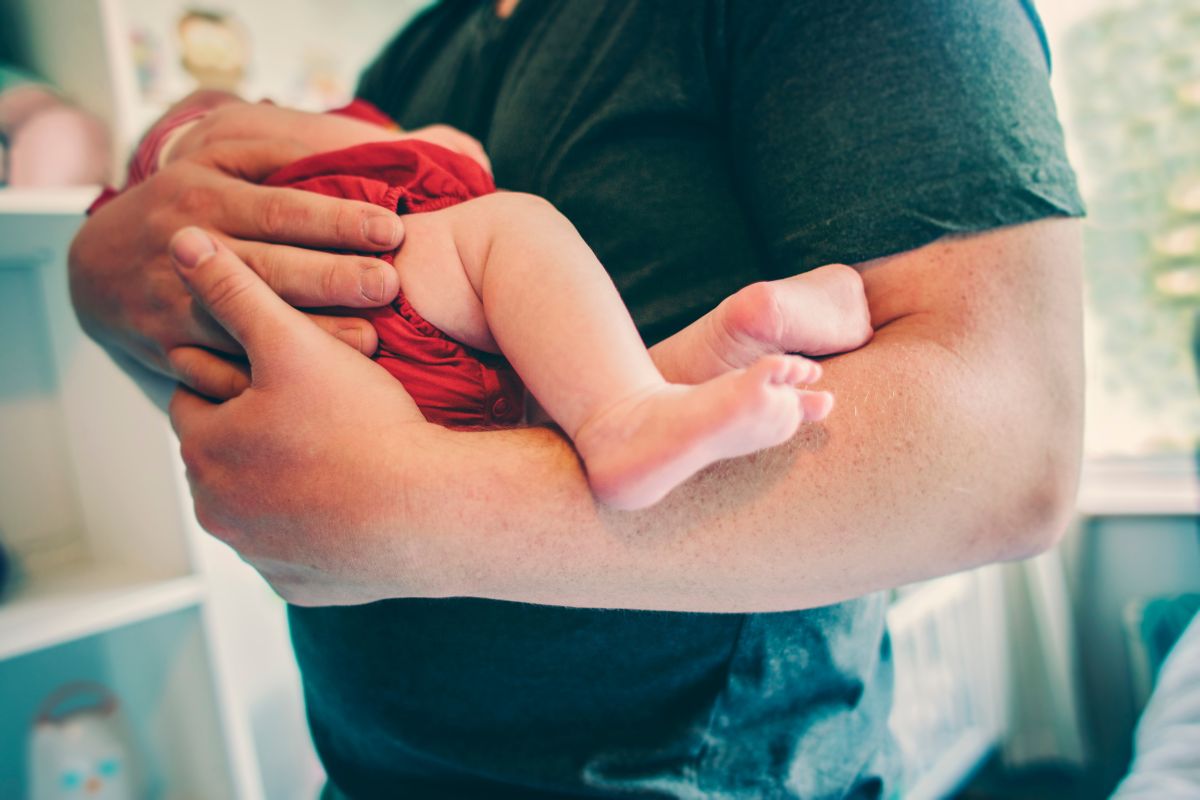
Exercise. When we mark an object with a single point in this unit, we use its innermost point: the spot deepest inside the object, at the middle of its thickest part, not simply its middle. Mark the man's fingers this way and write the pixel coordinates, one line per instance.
(294, 216)
(206, 373)
(187, 410)
(311, 278)
(252, 159)
(358, 333)
(233, 294)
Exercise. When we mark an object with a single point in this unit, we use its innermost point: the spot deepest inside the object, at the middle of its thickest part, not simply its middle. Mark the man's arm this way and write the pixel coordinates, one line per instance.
(955, 442)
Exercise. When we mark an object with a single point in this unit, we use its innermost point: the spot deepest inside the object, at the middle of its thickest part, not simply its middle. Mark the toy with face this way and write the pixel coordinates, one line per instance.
(82, 754)
(215, 50)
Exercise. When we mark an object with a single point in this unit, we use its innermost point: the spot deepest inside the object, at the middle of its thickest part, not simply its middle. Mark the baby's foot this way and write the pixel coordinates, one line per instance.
(820, 312)
(639, 449)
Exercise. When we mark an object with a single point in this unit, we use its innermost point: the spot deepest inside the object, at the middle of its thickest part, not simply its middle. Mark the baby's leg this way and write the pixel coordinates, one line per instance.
(555, 314)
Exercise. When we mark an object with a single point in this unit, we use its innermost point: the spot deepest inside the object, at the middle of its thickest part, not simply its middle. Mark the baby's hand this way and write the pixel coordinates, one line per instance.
(816, 313)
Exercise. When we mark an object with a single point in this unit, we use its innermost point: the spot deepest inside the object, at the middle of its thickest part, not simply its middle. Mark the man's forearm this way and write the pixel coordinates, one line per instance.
(953, 444)
(907, 480)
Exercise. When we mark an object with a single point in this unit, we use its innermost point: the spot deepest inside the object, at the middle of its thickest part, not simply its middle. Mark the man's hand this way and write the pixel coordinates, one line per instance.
(236, 121)
(311, 404)
(128, 297)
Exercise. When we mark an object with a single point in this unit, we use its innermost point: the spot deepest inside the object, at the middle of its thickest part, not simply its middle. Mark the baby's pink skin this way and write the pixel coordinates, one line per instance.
(638, 449)
(747, 395)
(818, 313)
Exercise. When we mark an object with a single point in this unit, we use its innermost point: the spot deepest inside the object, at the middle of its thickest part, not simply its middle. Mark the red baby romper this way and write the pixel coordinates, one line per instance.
(453, 384)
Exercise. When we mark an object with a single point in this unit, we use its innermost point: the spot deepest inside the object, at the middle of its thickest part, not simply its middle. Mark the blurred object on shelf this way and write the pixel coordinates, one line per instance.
(48, 142)
(147, 51)
(1152, 627)
(79, 747)
(318, 83)
(215, 49)
(5, 569)
(3, 160)
(1133, 77)
(311, 62)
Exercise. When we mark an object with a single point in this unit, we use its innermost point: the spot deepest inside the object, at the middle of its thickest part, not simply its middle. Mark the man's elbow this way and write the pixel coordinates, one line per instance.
(1045, 499)
(1049, 508)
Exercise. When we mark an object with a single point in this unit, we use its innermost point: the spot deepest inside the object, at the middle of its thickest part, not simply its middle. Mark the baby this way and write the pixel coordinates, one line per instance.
(496, 285)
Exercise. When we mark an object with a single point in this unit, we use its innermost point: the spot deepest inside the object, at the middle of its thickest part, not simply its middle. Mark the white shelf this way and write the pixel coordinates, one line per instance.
(1165, 485)
(85, 599)
(72, 200)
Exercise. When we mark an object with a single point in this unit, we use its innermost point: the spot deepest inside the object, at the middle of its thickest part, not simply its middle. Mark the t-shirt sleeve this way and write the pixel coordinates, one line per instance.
(870, 127)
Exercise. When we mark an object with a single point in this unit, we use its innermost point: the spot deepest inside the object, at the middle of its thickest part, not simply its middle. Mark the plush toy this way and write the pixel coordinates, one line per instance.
(215, 49)
(80, 749)
(47, 141)
(5, 569)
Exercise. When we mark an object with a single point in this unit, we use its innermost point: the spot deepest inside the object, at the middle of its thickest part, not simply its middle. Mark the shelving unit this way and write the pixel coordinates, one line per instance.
(68, 202)
(112, 584)
(117, 582)
(88, 599)
(161, 669)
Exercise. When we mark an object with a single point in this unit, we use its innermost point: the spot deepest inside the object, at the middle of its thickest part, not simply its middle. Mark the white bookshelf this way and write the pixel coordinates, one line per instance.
(111, 583)
(85, 599)
(119, 585)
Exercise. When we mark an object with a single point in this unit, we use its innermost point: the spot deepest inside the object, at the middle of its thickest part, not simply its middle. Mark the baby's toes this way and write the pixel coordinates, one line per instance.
(786, 370)
(815, 406)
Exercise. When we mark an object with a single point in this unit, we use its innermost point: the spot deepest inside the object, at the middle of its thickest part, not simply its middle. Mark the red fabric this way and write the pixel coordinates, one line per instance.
(452, 384)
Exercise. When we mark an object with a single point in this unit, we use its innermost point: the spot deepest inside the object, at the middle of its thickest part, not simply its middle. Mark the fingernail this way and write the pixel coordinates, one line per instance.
(382, 230)
(191, 246)
(352, 337)
(372, 283)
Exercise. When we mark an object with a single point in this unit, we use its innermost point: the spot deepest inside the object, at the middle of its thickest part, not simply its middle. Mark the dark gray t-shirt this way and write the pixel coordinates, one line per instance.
(698, 146)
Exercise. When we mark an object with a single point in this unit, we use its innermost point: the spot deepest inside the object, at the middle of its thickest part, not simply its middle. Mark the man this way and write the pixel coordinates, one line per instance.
(699, 148)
